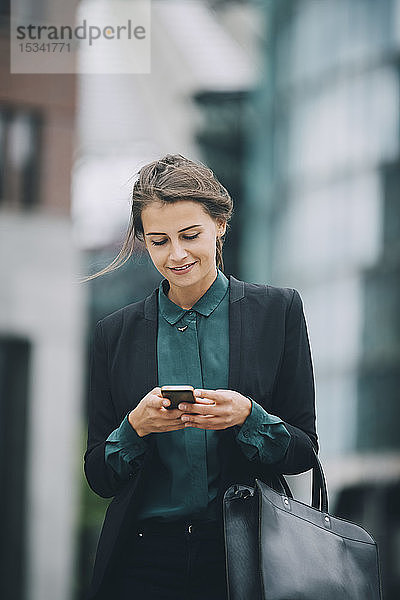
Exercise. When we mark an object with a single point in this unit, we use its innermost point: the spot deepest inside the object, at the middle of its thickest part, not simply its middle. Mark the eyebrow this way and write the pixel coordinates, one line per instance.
(180, 231)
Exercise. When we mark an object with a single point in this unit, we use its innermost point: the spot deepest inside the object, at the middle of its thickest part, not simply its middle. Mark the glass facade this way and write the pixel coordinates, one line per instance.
(322, 214)
(20, 153)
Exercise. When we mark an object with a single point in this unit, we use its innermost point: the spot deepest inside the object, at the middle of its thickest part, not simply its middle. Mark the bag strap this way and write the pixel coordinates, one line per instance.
(319, 495)
(284, 486)
(319, 488)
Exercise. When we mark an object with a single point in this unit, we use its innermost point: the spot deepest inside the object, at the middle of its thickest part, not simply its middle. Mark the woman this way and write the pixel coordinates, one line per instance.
(243, 347)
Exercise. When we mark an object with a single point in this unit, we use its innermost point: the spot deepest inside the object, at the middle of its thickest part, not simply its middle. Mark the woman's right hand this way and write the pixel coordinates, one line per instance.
(152, 416)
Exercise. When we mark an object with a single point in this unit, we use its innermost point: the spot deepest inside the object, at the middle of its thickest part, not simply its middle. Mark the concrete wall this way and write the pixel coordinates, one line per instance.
(41, 301)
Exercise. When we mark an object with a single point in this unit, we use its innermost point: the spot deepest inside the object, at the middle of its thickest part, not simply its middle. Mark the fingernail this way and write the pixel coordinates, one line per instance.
(185, 418)
(182, 407)
(197, 392)
(165, 402)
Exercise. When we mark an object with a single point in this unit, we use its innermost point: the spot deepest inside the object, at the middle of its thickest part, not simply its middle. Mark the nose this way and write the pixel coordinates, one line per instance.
(178, 252)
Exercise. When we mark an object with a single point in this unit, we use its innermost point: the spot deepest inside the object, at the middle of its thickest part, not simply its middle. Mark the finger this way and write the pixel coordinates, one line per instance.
(199, 408)
(157, 401)
(210, 394)
(204, 400)
(171, 426)
(198, 419)
(170, 422)
(175, 427)
(206, 423)
(171, 413)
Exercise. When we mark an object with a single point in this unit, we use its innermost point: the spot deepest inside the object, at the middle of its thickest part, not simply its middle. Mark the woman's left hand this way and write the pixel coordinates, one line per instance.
(230, 408)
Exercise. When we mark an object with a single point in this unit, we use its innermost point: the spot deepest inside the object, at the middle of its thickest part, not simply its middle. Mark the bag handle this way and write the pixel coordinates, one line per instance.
(319, 488)
(319, 495)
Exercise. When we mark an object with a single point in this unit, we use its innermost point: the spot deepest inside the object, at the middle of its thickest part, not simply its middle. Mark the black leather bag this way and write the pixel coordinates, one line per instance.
(278, 548)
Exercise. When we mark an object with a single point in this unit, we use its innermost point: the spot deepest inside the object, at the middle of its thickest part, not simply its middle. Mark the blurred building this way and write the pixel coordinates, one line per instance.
(322, 214)
(41, 333)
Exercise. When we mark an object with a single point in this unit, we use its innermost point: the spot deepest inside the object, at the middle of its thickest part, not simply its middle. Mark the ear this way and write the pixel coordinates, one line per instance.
(221, 227)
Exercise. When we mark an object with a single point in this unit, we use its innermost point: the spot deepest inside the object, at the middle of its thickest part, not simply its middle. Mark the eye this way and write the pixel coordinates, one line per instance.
(185, 237)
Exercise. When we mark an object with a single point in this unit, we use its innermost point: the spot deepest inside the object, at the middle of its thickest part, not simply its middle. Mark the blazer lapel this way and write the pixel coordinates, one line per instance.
(236, 294)
(228, 446)
(150, 343)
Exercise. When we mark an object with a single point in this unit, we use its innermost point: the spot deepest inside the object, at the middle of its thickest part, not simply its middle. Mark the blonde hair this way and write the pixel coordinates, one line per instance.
(171, 179)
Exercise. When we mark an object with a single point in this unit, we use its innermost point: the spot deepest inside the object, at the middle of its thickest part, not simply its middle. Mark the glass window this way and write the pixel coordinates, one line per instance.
(14, 377)
(19, 157)
(4, 8)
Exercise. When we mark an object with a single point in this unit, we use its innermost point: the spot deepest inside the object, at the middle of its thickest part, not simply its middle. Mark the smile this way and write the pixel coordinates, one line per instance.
(182, 269)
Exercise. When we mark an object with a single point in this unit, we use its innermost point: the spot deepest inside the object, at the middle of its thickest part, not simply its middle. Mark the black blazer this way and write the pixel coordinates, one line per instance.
(269, 360)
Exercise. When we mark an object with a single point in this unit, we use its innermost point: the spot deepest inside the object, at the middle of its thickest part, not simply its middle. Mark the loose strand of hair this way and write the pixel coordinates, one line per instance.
(122, 257)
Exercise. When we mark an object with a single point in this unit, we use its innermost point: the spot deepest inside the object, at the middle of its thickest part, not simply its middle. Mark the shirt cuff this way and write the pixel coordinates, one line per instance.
(125, 442)
(263, 435)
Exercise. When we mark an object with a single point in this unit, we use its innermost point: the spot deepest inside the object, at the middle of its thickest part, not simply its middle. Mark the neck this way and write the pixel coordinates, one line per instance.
(186, 297)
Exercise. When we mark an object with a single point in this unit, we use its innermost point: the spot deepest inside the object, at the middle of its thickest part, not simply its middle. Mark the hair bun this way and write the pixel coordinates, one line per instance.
(160, 167)
(166, 161)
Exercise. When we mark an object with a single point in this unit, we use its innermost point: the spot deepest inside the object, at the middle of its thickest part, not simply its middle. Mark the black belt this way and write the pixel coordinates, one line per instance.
(179, 528)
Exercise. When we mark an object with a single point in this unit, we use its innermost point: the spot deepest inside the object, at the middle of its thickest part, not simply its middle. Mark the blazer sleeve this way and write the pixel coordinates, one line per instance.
(102, 420)
(293, 397)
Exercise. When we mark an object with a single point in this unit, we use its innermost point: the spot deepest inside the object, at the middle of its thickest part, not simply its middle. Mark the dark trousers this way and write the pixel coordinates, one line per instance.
(165, 565)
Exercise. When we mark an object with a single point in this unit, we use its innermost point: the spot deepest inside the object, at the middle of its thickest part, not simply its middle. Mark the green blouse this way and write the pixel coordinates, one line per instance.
(192, 349)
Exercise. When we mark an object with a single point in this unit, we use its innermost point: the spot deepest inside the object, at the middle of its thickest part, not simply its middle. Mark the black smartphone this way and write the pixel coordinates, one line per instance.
(178, 394)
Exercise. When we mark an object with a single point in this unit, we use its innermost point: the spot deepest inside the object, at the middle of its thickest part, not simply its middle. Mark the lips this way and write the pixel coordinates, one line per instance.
(183, 268)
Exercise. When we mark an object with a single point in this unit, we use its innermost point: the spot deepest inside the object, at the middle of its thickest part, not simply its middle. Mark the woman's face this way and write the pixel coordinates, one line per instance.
(181, 240)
